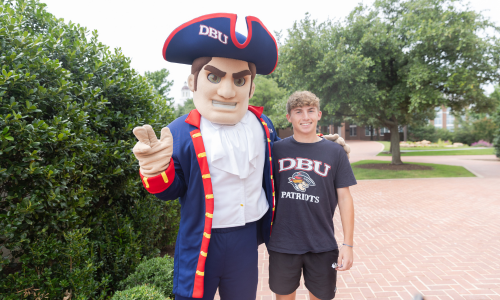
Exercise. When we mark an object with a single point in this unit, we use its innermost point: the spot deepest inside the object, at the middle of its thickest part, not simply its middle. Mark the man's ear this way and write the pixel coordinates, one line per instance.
(252, 90)
(319, 115)
(288, 118)
(191, 82)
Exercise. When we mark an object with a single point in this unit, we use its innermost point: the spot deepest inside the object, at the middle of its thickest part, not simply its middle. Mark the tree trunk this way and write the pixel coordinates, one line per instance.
(395, 150)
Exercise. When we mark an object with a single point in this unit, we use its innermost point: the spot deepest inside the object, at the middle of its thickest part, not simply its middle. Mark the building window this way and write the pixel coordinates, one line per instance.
(438, 120)
(384, 130)
(368, 131)
(353, 130)
(450, 120)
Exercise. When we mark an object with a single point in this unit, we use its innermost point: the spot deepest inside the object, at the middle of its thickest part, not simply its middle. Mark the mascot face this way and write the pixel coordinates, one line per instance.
(222, 90)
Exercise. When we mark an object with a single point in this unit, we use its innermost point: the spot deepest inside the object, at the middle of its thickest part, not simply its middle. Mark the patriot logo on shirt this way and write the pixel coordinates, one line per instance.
(301, 181)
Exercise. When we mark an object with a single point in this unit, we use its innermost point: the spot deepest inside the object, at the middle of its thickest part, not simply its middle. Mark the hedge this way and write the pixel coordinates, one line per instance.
(74, 217)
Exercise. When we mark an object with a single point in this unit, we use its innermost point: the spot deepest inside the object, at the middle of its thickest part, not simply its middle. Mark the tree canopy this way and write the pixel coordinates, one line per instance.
(393, 63)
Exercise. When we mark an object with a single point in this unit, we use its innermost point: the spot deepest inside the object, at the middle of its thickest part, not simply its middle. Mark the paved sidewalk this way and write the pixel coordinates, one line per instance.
(439, 237)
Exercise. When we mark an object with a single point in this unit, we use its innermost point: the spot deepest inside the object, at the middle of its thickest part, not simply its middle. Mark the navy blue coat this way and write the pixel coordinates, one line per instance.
(188, 178)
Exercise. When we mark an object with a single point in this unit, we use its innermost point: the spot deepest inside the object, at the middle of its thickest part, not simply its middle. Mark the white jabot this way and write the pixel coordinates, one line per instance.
(234, 149)
(236, 157)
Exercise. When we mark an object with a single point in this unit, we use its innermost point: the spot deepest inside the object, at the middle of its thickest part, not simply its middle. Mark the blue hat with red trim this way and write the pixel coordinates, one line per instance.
(214, 35)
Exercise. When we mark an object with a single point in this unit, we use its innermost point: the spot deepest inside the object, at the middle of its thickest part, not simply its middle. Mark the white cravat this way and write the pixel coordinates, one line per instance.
(234, 149)
(236, 156)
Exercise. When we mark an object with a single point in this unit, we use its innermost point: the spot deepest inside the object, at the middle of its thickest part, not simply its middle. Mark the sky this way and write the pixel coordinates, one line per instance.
(140, 28)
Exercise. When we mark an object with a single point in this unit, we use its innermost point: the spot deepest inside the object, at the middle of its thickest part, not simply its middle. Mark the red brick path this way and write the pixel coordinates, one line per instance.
(439, 237)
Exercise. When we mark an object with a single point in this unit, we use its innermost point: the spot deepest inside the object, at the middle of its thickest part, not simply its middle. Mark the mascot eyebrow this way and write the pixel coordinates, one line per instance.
(221, 74)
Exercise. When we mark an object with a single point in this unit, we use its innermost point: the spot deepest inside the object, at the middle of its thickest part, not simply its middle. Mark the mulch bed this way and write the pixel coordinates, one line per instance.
(403, 167)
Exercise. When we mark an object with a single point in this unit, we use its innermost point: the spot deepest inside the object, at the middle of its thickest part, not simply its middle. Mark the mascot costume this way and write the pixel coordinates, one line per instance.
(217, 159)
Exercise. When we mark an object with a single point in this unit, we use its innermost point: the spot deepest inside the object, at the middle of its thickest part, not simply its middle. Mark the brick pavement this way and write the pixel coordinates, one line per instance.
(439, 237)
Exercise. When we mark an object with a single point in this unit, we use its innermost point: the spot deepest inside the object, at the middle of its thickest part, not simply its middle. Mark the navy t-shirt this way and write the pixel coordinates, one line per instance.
(306, 176)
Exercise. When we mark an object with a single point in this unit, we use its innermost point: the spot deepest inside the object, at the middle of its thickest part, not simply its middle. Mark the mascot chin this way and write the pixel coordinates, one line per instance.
(217, 159)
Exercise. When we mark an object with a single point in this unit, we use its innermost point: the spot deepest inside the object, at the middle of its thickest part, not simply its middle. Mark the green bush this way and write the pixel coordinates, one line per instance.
(158, 272)
(496, 140)
(142, 292)
(419, 133)
(73, 213)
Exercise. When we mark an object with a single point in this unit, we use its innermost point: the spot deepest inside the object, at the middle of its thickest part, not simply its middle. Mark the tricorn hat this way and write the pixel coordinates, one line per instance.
(215, 35)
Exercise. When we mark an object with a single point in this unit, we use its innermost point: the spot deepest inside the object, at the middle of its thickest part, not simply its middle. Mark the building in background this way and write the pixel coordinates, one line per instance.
(444, 119)
(185, 93)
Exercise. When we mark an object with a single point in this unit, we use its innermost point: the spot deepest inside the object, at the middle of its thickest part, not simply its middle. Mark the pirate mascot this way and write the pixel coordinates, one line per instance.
(217, 159)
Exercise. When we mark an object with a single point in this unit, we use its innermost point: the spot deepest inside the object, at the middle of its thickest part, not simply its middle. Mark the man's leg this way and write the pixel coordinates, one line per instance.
(284, 274)
(240, 277)
(287, 297)
(319, 275)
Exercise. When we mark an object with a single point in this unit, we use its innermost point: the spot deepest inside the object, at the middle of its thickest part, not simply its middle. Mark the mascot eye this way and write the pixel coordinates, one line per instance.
(213, 78)
(239, 82)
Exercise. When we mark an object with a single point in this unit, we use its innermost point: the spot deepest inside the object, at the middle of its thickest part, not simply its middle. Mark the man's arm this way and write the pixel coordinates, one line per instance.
(346, 208)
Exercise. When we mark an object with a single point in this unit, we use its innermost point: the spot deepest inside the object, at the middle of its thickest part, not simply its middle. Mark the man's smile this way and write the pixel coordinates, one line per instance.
(224, 105)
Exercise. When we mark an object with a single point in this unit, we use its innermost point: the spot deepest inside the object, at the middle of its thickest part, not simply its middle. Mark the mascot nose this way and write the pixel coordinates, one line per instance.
(226, 88)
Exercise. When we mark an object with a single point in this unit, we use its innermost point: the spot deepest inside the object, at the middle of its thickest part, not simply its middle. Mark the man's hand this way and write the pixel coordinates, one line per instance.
(337, 139)
(153, 154)
(345, 259)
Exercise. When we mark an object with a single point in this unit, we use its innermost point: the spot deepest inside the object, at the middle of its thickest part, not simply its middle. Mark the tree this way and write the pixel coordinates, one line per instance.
(73, 212)
(394, 62)
(273, 98)
(158, 79)
(184, 108)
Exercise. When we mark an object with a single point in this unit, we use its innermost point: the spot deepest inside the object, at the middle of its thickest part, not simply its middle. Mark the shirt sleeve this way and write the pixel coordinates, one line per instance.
(344, 176)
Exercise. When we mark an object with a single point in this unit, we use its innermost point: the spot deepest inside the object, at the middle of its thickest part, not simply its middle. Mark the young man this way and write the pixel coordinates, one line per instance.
(312, 175)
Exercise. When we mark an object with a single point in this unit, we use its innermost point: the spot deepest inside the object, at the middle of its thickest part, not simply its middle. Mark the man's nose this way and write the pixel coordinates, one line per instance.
(226, 88)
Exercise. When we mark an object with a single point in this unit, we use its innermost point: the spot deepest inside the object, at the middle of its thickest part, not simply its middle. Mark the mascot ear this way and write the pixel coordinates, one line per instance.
(190, 82)
(252, 90)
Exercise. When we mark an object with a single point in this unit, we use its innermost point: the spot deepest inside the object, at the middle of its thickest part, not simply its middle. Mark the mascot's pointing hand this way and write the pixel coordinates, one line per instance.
(153, 154)
(337, 139)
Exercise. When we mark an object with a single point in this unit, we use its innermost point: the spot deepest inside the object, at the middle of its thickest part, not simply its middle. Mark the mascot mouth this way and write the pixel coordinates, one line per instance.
(224, 105)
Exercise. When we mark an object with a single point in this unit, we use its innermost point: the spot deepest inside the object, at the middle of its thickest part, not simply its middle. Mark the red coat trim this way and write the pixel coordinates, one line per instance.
(201, 156)
(256, 110)
(269, 157)
(194, 118)
(159, 183)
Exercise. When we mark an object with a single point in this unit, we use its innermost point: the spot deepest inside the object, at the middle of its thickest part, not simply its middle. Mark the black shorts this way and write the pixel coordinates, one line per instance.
(319, 276)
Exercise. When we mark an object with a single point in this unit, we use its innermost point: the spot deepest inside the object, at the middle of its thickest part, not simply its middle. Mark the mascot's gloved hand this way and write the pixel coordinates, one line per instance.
(337, 139)
(153, 154)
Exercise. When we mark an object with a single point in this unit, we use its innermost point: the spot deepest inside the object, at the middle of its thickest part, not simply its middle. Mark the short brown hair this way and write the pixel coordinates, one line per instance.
(198, 64)
(301, 99)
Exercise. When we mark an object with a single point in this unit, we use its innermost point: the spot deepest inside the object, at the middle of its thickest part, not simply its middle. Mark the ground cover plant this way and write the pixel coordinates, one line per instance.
(141, 292)
(406, 171)
(74, 217)
(157, 272)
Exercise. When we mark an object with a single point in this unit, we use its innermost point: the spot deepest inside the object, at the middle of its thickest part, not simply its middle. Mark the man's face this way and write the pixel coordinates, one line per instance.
(223, 89)
(304, 119)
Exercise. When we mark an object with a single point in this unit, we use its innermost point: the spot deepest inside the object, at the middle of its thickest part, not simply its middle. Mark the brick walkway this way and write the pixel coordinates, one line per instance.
(439, 237)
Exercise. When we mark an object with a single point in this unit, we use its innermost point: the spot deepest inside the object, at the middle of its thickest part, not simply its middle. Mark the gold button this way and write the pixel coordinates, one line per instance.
(241, 204)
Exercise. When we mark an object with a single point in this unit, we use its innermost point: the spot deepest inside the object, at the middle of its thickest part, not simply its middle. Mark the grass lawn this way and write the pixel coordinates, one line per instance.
(438, 171)
(429, 151)
(451, 152)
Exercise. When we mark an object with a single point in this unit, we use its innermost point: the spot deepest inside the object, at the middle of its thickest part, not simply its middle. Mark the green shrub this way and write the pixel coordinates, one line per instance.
(158, 272)
(496, 140)
(142, 292)
(68, 179)
(419, 133)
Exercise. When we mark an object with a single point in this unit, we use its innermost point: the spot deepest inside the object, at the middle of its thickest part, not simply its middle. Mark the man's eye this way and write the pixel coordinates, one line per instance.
(239, 82)
(213, 78)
